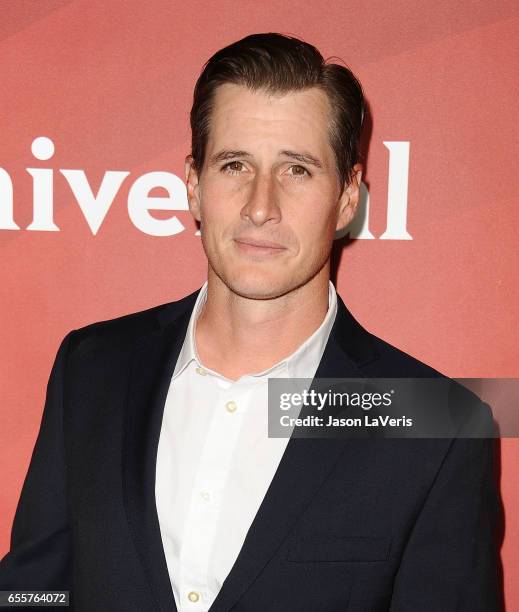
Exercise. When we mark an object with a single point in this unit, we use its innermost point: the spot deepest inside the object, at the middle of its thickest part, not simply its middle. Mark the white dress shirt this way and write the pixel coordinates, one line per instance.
(215, 461)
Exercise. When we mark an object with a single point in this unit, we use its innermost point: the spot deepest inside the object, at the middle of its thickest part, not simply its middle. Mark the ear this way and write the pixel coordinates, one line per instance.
(193, 187)
(349, 199)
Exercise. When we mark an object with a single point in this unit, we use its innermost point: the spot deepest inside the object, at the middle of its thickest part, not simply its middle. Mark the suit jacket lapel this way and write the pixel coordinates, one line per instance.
(304, 466)
(153, 364)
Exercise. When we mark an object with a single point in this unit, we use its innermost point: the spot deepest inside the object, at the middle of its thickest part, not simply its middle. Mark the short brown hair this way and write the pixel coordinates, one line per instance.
(280, 64)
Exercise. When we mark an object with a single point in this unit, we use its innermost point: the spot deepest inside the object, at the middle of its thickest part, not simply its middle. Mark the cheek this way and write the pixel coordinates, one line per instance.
(213, 207)
(218, 223)
(218, 201)
(316, 224)
(315, 233)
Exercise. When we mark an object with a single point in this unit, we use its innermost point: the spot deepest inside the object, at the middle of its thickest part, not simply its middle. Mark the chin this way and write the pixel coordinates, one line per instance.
(256, 286)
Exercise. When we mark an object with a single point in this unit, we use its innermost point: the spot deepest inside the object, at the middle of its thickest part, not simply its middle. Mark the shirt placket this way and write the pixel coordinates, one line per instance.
(203, 516)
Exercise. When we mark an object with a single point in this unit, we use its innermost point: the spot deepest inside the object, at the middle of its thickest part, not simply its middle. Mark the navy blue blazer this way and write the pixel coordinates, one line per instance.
(347, 525)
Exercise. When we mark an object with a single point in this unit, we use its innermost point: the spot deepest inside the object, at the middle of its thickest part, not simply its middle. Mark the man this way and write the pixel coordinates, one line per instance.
(153, 484)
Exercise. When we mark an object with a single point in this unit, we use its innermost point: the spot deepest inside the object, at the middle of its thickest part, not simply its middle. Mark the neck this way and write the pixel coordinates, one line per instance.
(234, 335)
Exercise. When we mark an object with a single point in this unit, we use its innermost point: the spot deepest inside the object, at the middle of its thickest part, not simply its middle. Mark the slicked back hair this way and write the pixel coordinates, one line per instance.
(280, 64)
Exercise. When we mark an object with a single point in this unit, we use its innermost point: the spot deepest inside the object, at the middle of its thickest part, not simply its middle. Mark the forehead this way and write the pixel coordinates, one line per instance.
(293, 119)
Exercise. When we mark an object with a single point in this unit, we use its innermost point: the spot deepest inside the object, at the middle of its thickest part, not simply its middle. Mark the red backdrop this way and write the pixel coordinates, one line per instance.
(110, 83)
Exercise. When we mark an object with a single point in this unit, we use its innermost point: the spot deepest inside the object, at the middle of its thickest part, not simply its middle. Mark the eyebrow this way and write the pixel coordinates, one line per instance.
(227, 154)
(304, 158)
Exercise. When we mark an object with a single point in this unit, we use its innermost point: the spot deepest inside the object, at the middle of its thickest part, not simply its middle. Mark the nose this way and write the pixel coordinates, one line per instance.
(262, 205)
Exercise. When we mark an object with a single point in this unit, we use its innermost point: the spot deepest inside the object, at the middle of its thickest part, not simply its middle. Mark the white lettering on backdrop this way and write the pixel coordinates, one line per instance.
(140, 202)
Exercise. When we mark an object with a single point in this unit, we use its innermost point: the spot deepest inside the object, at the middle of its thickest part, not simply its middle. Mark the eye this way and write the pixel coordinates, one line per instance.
(298, 172)
(233, 167)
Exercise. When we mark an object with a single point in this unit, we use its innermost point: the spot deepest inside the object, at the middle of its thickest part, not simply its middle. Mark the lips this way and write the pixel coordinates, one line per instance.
(260, 243)
(259, 246)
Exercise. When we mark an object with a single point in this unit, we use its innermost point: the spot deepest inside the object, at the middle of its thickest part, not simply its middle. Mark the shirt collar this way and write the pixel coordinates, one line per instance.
(302, 363)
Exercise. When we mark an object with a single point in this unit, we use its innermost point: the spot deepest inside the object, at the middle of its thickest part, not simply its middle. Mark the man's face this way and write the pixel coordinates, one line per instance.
(268, 195)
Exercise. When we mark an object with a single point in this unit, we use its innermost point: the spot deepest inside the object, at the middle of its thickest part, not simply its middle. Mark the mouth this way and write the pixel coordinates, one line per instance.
(259, 247)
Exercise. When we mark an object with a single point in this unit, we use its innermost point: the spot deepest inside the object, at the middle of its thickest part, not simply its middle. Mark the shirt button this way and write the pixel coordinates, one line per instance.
(201, 371)
(193, 596)
(205, 495)
(231, 406)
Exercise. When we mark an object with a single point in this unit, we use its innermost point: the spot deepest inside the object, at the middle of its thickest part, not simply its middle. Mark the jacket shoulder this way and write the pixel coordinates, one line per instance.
(375, 357)
(465, 408)
(123, 330)
(394, 362)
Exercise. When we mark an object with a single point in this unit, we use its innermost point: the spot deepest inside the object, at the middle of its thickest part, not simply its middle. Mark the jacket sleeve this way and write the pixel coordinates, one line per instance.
(40, 553)
(451, 560)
